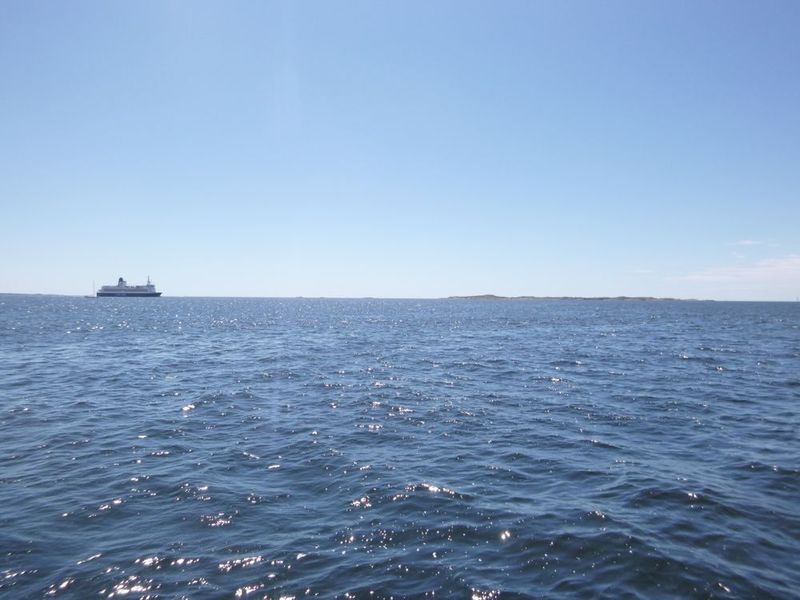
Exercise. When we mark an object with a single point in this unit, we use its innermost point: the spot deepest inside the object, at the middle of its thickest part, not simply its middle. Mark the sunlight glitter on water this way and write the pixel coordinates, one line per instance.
(509, 448)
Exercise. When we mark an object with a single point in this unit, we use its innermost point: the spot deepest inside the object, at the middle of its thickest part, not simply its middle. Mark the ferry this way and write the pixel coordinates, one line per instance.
(123, 289)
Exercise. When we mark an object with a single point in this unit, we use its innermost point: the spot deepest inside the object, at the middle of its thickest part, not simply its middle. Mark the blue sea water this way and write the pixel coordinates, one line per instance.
(231, 448)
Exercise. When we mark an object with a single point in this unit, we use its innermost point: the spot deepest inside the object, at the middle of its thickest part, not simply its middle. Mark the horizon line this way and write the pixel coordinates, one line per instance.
(475, 297)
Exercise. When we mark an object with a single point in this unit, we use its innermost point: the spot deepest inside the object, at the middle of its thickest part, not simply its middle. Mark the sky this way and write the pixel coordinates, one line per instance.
(402, 149)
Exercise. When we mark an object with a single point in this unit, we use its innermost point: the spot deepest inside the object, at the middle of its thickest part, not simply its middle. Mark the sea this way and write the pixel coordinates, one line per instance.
(455, 448)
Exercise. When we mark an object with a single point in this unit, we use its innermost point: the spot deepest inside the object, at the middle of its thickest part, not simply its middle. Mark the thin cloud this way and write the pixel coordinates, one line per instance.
(747, 243)
(785, 270)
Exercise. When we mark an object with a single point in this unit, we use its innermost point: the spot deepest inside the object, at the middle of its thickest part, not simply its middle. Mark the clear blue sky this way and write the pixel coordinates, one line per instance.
(401, 149)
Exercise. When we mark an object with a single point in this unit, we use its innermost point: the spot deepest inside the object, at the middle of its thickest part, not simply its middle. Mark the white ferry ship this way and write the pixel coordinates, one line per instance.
(123, 289)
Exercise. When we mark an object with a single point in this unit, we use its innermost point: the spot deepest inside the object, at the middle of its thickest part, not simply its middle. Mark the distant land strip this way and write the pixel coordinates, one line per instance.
(494, 297)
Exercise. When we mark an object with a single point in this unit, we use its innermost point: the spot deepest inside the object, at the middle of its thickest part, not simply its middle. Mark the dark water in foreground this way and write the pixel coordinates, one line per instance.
(208, 448)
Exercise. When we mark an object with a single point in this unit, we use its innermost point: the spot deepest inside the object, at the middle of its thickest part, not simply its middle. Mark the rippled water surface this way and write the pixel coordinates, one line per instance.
(208, 448)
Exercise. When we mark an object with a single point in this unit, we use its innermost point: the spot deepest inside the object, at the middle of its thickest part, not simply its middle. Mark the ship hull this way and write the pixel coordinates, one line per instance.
(128, 295)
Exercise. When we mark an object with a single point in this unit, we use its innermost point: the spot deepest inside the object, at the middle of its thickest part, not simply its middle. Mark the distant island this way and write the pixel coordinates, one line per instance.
(494, 297)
